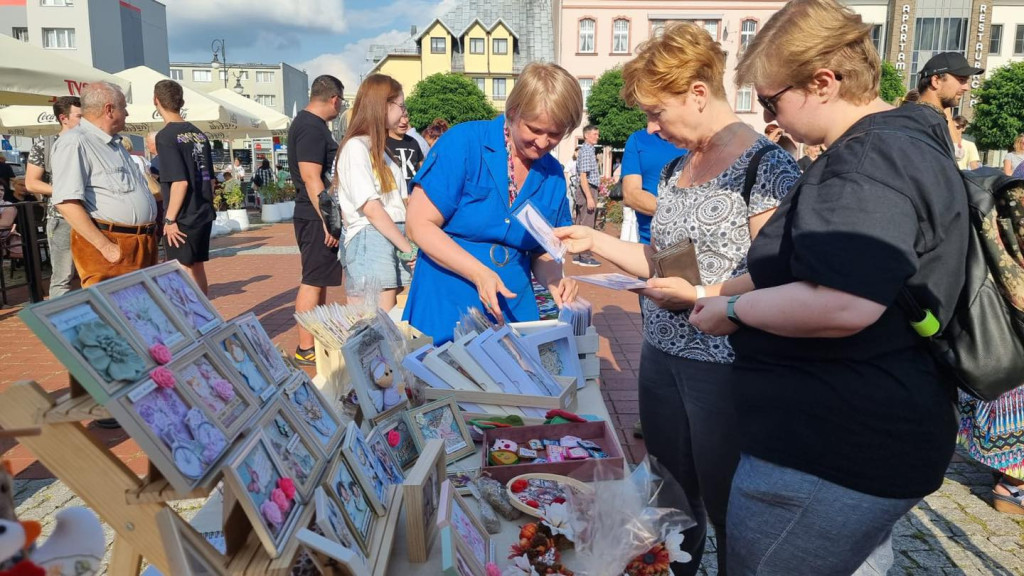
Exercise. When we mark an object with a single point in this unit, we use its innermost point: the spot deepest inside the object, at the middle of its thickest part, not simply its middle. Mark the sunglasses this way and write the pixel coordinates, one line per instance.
(768, 103)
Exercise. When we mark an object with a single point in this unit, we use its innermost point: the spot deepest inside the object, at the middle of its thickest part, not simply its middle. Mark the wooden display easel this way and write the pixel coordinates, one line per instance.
(130, 504)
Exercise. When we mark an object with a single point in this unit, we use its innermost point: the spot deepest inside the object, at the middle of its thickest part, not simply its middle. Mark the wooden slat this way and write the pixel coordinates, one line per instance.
(74, 409)
(160, 490)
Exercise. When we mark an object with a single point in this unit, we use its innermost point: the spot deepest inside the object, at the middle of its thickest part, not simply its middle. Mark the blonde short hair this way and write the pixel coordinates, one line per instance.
(669, 64)
(545, 87)
(809, 35)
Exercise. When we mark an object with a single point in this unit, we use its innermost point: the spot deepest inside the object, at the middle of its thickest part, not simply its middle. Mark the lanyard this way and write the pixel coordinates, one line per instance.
(513, 188)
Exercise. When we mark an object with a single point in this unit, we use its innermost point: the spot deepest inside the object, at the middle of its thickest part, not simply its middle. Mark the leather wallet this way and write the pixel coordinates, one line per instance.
(680, 260)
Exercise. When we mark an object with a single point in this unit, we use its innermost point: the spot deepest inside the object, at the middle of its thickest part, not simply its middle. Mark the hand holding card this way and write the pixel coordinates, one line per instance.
(541, 230)
(615, 281)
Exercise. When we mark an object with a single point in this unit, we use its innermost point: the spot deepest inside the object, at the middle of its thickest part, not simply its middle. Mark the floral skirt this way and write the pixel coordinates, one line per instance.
(993, 432)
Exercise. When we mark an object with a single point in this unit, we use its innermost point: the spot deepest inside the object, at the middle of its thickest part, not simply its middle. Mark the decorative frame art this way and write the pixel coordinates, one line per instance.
(355, 502)
(405, 451)
(422, 499)
(343, 556)
(313, 411)
(215, 387)
(455, 559)
(188, 552)
(375, 373)
(441, 419)
(181, 294)
(230, 345)
(266, 352)
(365, 467)
(380, 449)
(519, 364)
(333, 522)
(466, 529)
(291, 445)
(555, 349)
(150, 319)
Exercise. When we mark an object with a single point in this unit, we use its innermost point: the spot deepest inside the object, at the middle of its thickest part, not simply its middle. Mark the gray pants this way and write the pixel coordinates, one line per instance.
(58, 235)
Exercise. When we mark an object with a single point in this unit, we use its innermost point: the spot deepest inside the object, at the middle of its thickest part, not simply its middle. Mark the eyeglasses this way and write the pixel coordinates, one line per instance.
(769, 102)
(400, 106)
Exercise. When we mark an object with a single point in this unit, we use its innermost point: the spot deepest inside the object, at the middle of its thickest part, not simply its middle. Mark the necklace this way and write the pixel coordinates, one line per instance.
(718, 152)
(513, 188)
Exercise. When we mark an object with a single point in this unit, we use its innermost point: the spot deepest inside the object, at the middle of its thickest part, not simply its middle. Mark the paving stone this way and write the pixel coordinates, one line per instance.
(930, 560)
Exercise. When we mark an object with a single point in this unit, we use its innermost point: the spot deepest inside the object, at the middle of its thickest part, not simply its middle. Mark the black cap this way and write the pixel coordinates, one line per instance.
(949, 63)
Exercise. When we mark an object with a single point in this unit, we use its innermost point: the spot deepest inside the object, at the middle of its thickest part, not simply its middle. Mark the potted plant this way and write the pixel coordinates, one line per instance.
(271, 209)
(238, 218)
(288, 200)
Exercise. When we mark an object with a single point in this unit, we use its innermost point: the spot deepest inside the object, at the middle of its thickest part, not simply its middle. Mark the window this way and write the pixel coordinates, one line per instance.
(58, 38)
(56, 3)
(712, 28)
(657, 28)
(263, 77)
(996, 38)
(176, 74)
(1018, 41)
(20, 34)
(202, 76)
(620, 36)
(748, 28)
(480, 84)
(745, 99)
(876, 37)
(266, 99)
(585, 86)
(476, 45)
(587, 27)
(437, 45)
(498, 88)
(500, 46)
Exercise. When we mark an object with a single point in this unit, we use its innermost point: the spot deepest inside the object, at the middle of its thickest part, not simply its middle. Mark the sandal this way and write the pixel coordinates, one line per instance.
(1012, 504)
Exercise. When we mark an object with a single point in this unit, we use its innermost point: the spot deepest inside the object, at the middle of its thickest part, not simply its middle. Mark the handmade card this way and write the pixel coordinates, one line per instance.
(441, 420)
(332, 522)
(215, 387)
(266, 352)
(356, 503)
(389, 465)
(231, 347)
(395, 429)
(180, 292)
(295, 451)
(375, 371)
(313, 412)
(541, 230)
(466, 528)
(365, 467)
(151, 320)
(613, 280)
(421, 499)
(555, 349)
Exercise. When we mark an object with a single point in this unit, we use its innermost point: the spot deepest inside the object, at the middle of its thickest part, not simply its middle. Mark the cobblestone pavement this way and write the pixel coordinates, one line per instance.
(953, 531)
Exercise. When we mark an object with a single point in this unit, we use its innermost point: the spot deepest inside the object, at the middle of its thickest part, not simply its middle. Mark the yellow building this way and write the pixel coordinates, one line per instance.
(488, 42)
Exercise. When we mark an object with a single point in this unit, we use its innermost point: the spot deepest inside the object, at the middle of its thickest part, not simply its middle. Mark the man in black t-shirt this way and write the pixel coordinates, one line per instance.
(404, 149)
(311, 151)
(186, 182)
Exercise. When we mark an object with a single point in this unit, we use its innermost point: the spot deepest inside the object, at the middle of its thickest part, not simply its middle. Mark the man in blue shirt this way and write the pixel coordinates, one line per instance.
(642, 162)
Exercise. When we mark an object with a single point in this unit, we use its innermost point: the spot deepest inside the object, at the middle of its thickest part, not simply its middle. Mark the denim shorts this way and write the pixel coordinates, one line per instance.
(369, 255)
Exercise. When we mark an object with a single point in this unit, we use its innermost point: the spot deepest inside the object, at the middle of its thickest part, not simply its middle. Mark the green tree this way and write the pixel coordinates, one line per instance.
(891, 86)
(450, 96)
(607, 110)
(999, 111)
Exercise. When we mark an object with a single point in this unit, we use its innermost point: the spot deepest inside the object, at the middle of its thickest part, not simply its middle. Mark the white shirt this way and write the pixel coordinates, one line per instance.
(358, 184)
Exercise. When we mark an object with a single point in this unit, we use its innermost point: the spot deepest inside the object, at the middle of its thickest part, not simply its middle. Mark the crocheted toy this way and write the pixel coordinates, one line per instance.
(15, 538)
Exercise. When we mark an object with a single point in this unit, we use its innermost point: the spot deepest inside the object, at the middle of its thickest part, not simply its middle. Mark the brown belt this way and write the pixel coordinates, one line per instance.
(140, 230)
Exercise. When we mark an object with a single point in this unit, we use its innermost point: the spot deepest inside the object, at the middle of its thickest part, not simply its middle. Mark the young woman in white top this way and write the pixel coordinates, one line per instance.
(1012, 159)
(372, 193)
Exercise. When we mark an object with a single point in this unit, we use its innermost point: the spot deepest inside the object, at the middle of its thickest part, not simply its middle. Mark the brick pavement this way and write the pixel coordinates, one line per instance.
(954, 531)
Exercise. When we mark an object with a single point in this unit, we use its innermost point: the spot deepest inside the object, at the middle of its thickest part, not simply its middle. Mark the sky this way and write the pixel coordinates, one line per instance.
(320, 36)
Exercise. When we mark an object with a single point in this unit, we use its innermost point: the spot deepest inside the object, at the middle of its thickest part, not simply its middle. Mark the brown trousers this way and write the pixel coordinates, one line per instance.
(137, 252)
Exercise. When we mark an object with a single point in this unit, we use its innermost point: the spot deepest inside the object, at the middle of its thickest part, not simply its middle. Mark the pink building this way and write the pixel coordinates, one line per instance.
(593, 36)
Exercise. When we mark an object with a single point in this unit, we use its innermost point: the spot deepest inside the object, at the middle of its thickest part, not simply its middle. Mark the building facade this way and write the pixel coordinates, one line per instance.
(282, 87)
(105, 34)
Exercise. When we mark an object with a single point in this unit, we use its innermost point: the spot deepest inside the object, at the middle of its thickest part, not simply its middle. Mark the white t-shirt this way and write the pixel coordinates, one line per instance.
(358, 184)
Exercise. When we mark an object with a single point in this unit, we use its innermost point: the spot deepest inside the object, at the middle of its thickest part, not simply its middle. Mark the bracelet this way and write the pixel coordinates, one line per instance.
(410, 255)
(701, 292)
(730, 311)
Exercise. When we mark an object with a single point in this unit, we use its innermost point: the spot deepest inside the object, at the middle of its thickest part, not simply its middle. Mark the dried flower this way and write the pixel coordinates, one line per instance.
(108, 352)
(287, 485)
(271, 513)
(674, 545)
(223, 389)
(161, 354)
(163, 377)
(394, 438)
(282, 501)
(654, 562)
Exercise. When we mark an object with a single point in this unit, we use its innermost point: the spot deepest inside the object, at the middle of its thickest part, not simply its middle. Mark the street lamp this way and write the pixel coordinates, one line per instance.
(218, 46)
(238, 83)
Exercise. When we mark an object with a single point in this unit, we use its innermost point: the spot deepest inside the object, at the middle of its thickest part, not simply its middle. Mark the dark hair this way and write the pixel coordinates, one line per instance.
(912, 95)
(925, 83)
(326, 87)
(960, 121)
(589, 128)
(62, 106)
(265, 164)
(228, 175)
(170, 95)
(438, 127)
(278, 166)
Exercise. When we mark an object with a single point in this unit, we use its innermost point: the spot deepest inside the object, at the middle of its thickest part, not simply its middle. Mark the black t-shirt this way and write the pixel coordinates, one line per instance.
(878, 211)
(407, 154)
(309, 140)
(185, 156)
(6, 173)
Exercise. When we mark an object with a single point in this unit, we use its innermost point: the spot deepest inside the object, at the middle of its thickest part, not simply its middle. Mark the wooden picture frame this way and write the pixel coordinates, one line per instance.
(441, 362)
(58, 324)
(188, 552)
(519, 364)
(461, 354)
(149, 318)
(389, 465)
(455, 559)
(475, 348)
(441, 419)
(182, 295)
(290, 444)
(555, 350)
(253, 475)
(422, 500)
(414, 363)
(365, 468)
(466, 529)
(356, 503)
(314, 412)
(215, 387)
(346, 558)
(263, 346)
(375, 372)
(406, 451)
(335, 525)
(233, 348)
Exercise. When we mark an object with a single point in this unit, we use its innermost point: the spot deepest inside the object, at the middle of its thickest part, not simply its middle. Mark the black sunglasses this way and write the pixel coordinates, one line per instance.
(769, 102)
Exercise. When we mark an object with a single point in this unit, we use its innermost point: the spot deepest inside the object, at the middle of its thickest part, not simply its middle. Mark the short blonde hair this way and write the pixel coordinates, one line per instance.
(669, 64)
(806, 36)
(545, 87)
(1018, 144)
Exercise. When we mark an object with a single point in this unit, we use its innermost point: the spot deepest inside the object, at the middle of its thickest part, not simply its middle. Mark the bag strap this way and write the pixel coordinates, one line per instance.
(752, 169)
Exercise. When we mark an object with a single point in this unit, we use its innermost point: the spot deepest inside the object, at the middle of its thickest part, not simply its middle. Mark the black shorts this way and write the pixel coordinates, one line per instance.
(195, 248)
(320, 264)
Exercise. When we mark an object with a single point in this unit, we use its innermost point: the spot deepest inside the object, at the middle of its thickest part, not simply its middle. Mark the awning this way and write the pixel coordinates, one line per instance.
(275, 121)
(33, 76)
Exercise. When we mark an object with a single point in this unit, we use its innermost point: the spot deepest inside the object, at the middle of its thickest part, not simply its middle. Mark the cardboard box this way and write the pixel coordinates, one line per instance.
(598, 432)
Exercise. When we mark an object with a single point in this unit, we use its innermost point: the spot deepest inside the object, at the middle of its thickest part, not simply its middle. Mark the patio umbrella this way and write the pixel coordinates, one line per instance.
(28, 121)
(277, 123)
(32, 75)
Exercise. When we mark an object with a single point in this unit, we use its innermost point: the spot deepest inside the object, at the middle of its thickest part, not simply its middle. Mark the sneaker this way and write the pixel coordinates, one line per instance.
(305, 357)
(107, 423)
(588, 261)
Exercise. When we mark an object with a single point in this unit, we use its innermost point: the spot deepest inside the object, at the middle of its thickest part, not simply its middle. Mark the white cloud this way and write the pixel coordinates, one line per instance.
(348, 64)
(325, 15)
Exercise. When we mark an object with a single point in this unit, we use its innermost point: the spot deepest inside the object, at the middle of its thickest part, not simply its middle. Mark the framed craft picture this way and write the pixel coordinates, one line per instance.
(421, 499)
(90, 341)
(364, 464)
(389, 465)
(475, 348)
(256, 480)
(467, 531)
(151, 321)
(176, 434)
(555, 349)
(215, 388)
(461, 355)
(441, 419)
(455, 559)
(346, 558)
(291, 446)
(182, 295)
(441, 362)
(375, 372)
(414, 362)
(313, 412)
(400, 442)
(519, 365)
(232, 347)
(188, 552)
(355, 503)
(266, 352)
(332, 522)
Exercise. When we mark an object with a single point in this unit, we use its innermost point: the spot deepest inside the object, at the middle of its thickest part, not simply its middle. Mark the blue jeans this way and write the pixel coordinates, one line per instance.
(369, 255)
(58, 237)
(785, 522)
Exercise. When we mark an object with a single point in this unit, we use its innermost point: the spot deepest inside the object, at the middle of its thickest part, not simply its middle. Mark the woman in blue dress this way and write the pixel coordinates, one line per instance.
(474, 253)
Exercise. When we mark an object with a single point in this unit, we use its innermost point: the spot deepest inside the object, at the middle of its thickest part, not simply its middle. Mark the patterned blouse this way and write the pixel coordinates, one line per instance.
(715, 218)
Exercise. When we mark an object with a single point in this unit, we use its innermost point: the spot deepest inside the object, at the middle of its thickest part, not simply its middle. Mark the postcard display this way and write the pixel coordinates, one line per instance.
(206, 399)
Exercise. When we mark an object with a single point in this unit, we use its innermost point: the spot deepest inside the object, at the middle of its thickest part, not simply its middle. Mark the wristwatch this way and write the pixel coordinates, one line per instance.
(168, 221)
(730, 311)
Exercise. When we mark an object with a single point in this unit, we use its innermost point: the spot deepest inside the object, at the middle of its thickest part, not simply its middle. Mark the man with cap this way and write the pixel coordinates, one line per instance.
(944, 80)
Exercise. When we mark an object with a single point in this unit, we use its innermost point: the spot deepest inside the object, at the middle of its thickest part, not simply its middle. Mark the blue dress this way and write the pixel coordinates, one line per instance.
(465, 175)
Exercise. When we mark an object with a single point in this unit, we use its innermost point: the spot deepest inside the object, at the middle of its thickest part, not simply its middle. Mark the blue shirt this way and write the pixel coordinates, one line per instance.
(646, 155)
(465, 176)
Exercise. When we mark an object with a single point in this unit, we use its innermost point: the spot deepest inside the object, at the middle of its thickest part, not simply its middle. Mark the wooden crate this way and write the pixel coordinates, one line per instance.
(598, 432)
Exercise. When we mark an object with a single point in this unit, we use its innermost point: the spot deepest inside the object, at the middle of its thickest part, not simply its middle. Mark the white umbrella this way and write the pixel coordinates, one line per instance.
(28, 121)
(31, 75)
(275, 121)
